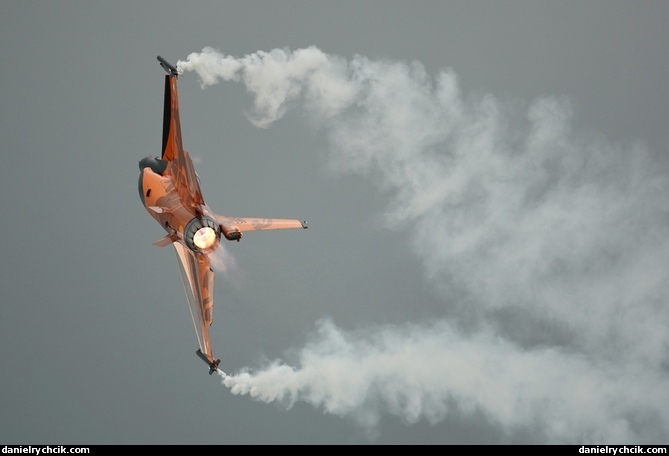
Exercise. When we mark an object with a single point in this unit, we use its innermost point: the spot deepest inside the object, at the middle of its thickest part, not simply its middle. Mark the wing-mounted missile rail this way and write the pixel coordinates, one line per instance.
(171, 69)
(213, 366)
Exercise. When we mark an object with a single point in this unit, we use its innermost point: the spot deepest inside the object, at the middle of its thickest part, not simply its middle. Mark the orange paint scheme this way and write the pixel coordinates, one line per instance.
(170, 191)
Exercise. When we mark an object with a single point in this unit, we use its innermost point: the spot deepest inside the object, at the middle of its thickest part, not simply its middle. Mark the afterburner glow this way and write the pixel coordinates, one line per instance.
(204, 238)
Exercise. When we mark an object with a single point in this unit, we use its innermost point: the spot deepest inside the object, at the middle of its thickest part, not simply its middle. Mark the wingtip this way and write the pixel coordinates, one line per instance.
(304, 224)
(168, 67)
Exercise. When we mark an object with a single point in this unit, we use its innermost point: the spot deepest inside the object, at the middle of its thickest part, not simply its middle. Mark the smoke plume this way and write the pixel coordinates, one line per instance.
(552, 245)
(222, 260)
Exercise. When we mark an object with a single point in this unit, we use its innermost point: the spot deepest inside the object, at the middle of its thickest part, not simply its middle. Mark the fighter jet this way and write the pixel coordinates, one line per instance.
(170, 191)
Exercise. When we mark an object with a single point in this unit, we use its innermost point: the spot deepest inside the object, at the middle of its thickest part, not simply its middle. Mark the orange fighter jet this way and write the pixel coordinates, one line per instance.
(170, 191)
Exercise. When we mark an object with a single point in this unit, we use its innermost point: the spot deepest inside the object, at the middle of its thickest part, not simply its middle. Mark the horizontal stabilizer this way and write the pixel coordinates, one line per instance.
(243, 224)
(166, 240)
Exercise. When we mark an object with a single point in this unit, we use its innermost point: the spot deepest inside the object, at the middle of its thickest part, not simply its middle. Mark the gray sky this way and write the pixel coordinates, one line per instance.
(486, 188)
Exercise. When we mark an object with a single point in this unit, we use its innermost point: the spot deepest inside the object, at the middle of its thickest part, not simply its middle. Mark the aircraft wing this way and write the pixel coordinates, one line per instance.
(242, 224)
(198, 280)
(180, 166)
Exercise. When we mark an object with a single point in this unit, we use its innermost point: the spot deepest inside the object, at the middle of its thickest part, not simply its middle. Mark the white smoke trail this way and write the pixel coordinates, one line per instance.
(222, 260)
(553, 246)
(423, 372)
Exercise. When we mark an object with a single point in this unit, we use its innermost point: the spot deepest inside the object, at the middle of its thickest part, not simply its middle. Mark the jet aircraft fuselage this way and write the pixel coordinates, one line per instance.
(170, 191)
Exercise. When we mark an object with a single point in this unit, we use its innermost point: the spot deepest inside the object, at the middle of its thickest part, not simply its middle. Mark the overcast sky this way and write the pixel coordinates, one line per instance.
(486, 188)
